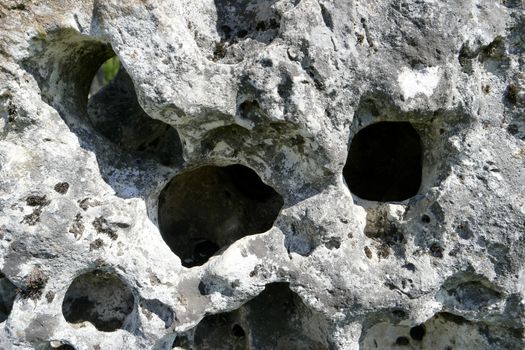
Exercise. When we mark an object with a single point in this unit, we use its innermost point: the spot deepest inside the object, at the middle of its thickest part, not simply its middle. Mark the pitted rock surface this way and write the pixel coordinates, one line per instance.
(262, 174)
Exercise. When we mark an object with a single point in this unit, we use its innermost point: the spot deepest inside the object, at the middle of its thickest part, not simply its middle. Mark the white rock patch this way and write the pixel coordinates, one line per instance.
(413, 82)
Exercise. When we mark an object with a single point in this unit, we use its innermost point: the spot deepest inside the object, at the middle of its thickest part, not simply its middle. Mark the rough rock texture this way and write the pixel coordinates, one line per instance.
(242, 136)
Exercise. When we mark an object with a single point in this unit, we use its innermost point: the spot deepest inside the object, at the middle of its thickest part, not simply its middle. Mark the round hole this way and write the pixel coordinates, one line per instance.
(385, 162)
(100, 298)
(237, 331)
(425, 218)
(206, 209)
(418, 332)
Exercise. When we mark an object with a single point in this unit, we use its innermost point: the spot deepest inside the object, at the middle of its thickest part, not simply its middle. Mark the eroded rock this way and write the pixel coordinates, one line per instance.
(262, 175)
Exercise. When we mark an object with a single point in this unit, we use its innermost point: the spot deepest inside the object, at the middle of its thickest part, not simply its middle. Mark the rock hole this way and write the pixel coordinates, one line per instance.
(85, 82)
(204, 210)
(277, 319)
(100, 298)
(418, 332)
(385, 162)
(216, 332)
(237, 331)
(290, 322)
(7, 297)
(425, 218)
(114, 111)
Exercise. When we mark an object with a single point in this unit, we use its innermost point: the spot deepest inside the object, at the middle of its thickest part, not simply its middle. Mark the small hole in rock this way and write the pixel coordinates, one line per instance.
(100, 298)
(418, 332)
(204, 210)
(425, 218)
(436, 250)
(237, 331)
(385, 162)
(402, 341)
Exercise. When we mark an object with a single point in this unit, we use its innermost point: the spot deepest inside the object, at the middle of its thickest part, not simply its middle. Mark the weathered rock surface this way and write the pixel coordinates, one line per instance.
(230, 188)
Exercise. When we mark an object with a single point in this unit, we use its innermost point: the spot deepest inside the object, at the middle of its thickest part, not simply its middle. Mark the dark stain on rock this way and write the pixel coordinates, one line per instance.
(33, 218)
(368, 253)
(37, 201)
(101, 225)
(50, 296)
(35, 282)
(62, 187)
(96, 244)
(77, 228)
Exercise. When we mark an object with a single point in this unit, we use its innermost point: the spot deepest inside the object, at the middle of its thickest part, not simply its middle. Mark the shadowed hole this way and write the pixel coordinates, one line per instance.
(418, 332)
(85, 82)
(444, 331)
(237, 331)
(114, 111)
(275, 319)
(385, 162)
(204, 210)
(100, 298)
(7, 297)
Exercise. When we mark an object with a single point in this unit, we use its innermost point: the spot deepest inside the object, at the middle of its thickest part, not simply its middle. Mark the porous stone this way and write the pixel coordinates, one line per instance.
(262, 174)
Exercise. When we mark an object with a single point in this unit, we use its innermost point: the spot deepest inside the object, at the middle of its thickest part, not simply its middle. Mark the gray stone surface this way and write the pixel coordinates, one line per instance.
(281, 87)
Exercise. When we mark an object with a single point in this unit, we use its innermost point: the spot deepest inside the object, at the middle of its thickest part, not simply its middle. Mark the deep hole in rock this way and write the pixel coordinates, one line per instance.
(114, 111)
(85, 82)
(100, 298)
(204, 210)
(7, 297)
(418, 332)
(215, 332)
(385, 162)
(275, 319)
(237, 331)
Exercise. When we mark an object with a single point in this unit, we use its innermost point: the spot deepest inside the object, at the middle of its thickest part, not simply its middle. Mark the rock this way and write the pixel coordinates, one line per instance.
(288, 174)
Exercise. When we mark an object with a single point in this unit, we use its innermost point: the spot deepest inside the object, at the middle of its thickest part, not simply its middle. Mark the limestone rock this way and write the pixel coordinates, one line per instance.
(262, 174)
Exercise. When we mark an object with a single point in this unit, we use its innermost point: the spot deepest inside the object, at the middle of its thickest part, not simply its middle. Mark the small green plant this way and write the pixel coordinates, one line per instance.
(110, 69)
